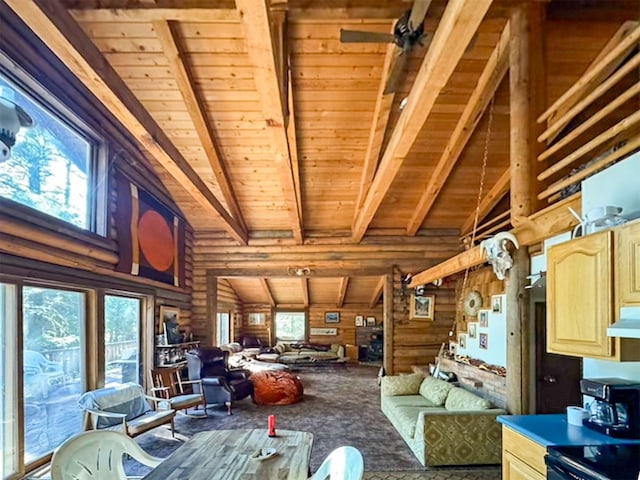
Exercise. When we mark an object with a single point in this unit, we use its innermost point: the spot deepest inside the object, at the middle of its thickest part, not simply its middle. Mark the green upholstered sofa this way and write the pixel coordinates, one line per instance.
(442, 424)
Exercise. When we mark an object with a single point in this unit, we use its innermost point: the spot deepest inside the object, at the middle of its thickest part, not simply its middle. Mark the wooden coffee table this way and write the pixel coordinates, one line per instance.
(229, 455)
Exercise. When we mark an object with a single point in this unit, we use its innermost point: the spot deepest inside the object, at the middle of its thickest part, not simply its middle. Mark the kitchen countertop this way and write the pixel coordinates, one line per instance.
(553, 429)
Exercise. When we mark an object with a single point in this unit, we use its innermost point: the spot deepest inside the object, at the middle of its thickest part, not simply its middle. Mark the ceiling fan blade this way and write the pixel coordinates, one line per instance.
(397, 72)
(355, 36)
(418, 12)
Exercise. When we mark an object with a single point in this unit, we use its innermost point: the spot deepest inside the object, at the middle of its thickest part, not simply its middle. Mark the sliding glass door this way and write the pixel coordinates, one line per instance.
(53, 367)
(122, 356)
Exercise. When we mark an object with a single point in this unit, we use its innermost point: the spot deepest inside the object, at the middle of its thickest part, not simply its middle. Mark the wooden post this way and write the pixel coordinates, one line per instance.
(388, 311)
(523, 79)
(212, 310)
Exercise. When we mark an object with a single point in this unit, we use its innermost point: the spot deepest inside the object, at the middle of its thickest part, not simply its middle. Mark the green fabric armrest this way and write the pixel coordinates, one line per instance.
(458, 438)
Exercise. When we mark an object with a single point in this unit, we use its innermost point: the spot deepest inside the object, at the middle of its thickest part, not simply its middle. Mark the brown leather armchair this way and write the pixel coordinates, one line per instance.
(220, 383)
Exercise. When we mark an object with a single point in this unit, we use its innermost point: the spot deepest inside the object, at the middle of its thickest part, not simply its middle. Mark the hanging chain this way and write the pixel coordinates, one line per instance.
(479, 199)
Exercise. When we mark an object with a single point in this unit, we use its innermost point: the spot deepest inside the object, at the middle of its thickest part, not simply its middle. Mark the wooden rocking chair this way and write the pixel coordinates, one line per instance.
(167, 383)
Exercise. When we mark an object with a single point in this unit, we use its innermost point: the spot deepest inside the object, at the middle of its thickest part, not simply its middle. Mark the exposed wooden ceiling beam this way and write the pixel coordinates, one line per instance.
(490, 200)
(65, 38)
(377, 292)
(491, 77)
(169, 39)
(305, 291)
(267, 291)
(256, 21)
(459, 23)
(543, 224)
(156, 14)
(344, 282)
(378, 127)
(293, 147)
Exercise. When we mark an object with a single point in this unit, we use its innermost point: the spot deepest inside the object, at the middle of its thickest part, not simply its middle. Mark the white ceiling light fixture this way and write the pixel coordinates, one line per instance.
(299, 271)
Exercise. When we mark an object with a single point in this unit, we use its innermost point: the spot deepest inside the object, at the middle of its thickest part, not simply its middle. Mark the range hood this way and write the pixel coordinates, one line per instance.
(629, 324)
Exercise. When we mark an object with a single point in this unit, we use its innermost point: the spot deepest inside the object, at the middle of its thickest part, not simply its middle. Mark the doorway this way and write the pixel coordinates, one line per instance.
(557, 376)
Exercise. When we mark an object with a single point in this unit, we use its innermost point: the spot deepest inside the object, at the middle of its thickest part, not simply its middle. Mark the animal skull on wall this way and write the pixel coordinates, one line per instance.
(497, 253)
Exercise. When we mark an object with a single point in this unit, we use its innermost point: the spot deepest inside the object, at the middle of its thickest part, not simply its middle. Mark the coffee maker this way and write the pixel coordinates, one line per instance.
(615, 408)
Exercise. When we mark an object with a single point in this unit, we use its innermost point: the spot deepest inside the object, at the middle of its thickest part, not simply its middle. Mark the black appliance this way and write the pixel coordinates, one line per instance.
(594, 462)
(615, 410)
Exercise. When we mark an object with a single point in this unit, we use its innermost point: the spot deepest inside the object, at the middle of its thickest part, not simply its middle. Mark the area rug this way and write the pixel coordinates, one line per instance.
(340, 406)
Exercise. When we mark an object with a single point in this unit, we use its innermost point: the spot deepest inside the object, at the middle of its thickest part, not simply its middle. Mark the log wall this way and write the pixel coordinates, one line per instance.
(40, 247)
(418, 342)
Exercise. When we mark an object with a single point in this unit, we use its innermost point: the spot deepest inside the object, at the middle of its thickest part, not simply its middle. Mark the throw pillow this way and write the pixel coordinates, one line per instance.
(401, 384)
(461, 399)
(279, 348)
(435, 390)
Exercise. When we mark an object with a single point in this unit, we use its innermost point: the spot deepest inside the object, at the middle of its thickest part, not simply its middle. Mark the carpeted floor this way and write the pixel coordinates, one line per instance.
(341, 406)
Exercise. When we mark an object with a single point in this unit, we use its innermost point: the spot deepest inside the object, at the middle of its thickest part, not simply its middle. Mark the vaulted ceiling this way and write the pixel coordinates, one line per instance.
(268, 130)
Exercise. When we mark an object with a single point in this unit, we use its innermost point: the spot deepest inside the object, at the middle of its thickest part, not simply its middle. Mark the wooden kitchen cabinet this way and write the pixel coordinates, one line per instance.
(580, 296)
(522, 458)
(580, 299)
(628, 264)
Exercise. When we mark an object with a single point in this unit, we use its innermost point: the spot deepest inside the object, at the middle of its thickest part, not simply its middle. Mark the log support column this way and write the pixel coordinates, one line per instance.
(525, 77)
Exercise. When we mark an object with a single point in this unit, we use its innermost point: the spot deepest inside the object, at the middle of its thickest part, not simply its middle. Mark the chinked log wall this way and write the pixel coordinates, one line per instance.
(412, 342)
(33, 245)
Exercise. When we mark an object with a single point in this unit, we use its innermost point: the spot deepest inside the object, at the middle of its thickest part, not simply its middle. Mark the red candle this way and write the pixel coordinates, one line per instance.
(272, 425)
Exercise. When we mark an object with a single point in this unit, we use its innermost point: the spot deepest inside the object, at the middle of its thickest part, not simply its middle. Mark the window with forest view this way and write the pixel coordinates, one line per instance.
(51, 164)
(291, 326)
(122, 339)
(52, 366)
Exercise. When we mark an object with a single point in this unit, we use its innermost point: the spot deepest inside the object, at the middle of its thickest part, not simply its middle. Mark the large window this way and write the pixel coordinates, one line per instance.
(53, 367)
(122, 318)
(47, 326)
(291, 326)
(54, 165)
(8, 387)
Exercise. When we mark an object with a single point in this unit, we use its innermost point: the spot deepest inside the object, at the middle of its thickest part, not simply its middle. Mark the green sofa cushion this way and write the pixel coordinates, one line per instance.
(460, 399)
(410, 401)
(435, 390)
(401, 384)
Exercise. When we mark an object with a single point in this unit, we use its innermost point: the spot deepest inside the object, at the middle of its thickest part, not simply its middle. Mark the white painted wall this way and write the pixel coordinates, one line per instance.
(496, 332)
(618, 185)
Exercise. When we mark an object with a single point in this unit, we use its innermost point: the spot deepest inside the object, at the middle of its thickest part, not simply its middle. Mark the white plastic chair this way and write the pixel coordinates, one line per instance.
(344, 463)
(97, 455)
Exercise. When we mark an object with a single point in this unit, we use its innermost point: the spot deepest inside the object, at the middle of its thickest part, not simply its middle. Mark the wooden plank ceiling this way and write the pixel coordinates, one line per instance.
(287, 127)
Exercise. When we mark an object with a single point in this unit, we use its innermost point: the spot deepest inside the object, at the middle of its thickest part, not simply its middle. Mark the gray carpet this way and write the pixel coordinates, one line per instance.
(341, 406)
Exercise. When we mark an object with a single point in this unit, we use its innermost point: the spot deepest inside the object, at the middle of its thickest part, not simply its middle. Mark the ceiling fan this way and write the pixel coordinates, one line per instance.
(407, 32)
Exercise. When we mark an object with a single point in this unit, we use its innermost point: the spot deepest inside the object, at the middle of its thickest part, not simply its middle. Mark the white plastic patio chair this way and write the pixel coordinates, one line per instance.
(344, 463)
(97, 455)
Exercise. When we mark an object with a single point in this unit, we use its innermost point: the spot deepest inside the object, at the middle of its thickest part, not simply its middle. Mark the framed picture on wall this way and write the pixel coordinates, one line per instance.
(359, 321)
(422, 307)
(371, 321)
(484, 341)
(170, 316)
(472, 329)
(256, 318)
(453, 348)
(331, 317)
(483, 317)
(462, 340)
(496, 303)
